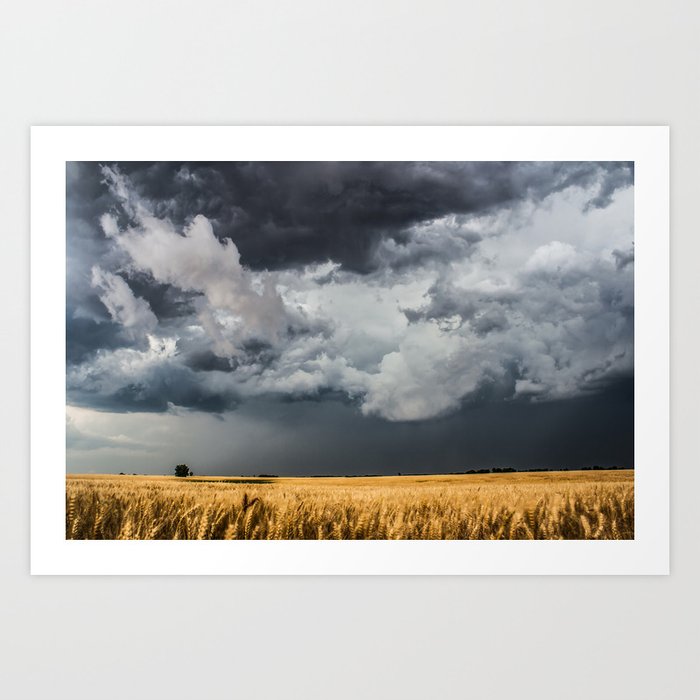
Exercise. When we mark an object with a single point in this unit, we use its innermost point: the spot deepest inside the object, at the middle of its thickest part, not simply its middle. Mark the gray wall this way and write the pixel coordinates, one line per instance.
(364, 62)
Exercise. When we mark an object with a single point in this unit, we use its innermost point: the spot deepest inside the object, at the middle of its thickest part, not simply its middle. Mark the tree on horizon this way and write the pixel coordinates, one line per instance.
(183, 470)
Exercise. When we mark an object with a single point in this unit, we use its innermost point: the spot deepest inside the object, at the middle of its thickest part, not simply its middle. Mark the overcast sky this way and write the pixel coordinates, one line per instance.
(329, 317)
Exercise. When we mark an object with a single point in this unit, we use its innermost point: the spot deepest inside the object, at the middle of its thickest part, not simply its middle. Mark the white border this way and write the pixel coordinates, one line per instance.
(51, 147)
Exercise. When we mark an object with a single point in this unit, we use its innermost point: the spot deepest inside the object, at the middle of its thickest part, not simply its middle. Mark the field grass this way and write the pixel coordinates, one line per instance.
(532, 505)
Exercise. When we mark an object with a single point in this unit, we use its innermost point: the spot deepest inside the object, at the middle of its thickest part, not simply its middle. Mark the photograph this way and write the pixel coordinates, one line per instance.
(350, 350)
(345, 341)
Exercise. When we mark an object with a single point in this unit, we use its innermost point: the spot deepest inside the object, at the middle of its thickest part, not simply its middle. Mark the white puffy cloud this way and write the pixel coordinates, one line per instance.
(246, 304)
(429, 375)
(110, 370)
(553, 258)
(131, 312)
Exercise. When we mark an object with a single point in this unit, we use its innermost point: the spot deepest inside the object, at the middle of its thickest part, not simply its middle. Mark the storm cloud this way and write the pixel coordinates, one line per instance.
(408, 293)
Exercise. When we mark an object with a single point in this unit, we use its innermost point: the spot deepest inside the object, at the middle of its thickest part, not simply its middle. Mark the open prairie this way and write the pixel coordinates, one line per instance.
(526, 505)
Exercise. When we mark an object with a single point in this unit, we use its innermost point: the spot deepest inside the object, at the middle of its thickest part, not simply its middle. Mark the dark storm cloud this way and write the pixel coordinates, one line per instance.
(88, 198)
(286, 214)
(446, 303)
(207, 361)
(84, 336)
(623, 258)
(333, 438)
(615, 177)
(363, 216)
(158, 389)
(165, 301)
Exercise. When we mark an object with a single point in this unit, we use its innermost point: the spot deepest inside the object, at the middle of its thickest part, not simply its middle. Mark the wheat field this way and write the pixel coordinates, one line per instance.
(533, 505)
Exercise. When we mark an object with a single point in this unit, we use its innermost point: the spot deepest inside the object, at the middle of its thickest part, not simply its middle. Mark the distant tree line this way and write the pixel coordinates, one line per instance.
(183, 470)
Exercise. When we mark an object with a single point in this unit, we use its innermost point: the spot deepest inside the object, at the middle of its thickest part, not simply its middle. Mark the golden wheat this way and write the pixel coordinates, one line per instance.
(545, 505)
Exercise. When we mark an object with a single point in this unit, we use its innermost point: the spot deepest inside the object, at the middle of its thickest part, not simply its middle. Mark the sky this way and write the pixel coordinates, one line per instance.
(349, 317)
